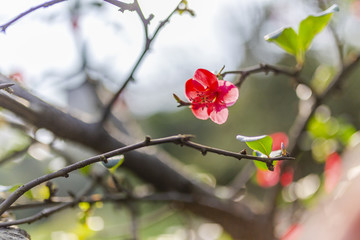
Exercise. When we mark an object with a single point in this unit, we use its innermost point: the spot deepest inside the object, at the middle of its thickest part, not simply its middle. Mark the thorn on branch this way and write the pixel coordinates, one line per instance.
(203, 151)
(151, 16)
(147, 139)
(265, 68)
(103, 159)
(270, 165)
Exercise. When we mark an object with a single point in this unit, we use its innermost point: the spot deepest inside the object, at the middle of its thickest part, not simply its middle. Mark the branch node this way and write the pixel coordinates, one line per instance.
(103, 159)
(151, 16)
(187, 137)
(203, 151)
(66, 175)
(270, 165)
(147, 139)
(243, 152)
(183, 138)
(126, 6)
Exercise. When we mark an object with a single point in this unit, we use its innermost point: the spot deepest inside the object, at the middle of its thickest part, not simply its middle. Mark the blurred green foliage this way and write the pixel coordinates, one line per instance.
(267, 104)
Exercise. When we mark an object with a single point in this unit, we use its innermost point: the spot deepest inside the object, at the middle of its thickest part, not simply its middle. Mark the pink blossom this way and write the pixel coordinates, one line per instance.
(209, 96)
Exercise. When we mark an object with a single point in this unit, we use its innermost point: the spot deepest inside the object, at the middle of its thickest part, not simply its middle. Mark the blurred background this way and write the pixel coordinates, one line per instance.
(57, 52)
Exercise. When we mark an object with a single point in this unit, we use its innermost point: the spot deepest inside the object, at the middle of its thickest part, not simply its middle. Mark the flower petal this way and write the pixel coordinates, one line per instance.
(228, 92)
(206, 78)
(219, 113)
(192, 89)
(278, 138)
(200, 111)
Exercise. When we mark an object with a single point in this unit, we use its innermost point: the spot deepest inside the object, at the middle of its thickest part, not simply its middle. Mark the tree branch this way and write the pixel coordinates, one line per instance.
(263, 68)
(122, 6)
(108, 198)
(49, 211)
(151, 168)
(304, 115)
(179, 139)
(67, 202)
(64, 172)
(21, 15)
(204, 149)
(148, 41)
(302, 119)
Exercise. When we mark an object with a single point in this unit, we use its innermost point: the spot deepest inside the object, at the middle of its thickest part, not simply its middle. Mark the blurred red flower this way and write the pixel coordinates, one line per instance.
(332, 171)
(278, 138)
(209, 96)
(266, 178)
(17, 76)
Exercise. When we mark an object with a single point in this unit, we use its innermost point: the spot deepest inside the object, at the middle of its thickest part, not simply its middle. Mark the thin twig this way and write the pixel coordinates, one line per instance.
(108, 198)
(204, 149)
(148, 41)
(182, 140)
(134, 221)
(301, 121)
(64, 172)
(303, 117)
(67, 202)
(123, 6)
(51, 210)
(340, 48)
(264, 68)
(43, 5)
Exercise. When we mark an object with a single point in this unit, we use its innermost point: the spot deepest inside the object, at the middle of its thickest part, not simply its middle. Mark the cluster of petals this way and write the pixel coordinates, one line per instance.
(209, 96)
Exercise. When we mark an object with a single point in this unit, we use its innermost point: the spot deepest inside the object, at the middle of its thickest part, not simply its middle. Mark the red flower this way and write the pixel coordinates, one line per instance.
(332, 171)
(266, 178)
(17, 76)
(209, 96)
(278, 138)
(287, 176)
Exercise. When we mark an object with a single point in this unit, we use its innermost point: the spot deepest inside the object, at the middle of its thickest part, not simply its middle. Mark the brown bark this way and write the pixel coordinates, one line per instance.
(160, 170)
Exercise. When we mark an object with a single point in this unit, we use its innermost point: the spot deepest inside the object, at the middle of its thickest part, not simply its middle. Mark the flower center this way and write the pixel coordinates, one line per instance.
(205, 97)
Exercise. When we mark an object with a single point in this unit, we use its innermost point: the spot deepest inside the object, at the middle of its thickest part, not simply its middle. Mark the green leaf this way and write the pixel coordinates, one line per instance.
(263, 143)
(312, 25)
(113, 163)
(297, 44)
(286, 38)
(260, 165)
